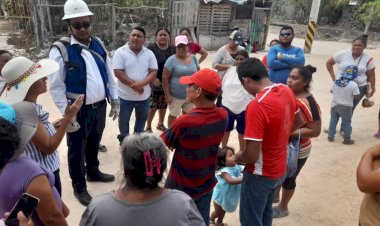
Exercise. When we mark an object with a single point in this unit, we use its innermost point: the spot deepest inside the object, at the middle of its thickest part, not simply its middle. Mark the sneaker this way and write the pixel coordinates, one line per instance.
(348, 142)
(83, 197)
(330, 139)
(277, 213)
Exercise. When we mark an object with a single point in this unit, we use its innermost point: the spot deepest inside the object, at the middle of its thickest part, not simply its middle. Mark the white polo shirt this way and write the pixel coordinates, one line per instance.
(136, 67)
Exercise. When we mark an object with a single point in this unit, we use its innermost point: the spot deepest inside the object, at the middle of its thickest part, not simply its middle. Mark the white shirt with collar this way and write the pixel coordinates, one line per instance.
(95, 90)
(137, 67)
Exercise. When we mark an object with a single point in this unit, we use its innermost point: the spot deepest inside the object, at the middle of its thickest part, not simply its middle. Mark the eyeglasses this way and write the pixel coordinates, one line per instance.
(285, 34)
(79, 25)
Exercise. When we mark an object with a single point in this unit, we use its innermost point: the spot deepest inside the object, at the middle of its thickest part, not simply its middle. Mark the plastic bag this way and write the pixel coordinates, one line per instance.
(293, 154)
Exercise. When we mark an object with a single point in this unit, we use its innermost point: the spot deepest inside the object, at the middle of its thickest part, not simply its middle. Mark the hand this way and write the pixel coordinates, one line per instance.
(57, 123)
(72, 109)
(23, 221)
(373, 90)
(137, 86)
(115, 109)
(279, 56)
(156, 82)
(168, 99)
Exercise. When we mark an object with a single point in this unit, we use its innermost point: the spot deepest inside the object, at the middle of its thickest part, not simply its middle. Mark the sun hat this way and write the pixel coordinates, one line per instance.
(181, 39)
(20, 73)
(24, 116)
(237, 37)
(206, 78)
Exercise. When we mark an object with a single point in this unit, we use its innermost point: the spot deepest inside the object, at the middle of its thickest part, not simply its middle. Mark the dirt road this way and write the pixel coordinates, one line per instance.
(326, 191)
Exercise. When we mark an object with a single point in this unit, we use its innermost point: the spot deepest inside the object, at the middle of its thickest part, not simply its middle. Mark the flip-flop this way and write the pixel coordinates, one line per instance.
(277, 213)
(102, 148)
(211, 223)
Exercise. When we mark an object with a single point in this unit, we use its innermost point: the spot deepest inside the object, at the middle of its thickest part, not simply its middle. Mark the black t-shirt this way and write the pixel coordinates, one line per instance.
(161, 57)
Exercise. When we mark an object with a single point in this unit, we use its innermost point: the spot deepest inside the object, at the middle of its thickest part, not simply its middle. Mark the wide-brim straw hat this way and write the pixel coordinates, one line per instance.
(20, 73)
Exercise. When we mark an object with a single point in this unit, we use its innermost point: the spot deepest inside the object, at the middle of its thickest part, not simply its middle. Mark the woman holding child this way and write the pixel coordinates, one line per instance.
(299, 82)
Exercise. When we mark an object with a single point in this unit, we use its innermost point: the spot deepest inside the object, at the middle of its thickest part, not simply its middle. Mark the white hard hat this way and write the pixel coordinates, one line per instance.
(76, 8)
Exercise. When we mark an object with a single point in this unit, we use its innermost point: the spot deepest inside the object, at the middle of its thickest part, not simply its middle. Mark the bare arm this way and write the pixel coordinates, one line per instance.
(371, 78)
(309, 130)
(251, 152)
(298, 122)
(123, 77)
(166, 75)
(204, 54)
(231, 180)
(48, 210)
(367, 176)
(147, 80)
(48, 144)
(330, 68)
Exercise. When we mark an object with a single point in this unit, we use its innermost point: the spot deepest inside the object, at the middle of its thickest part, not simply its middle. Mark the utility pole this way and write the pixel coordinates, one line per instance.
(311, 26)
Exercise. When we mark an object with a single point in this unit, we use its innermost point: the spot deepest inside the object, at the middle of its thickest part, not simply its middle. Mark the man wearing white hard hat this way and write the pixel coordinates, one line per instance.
(84, 69)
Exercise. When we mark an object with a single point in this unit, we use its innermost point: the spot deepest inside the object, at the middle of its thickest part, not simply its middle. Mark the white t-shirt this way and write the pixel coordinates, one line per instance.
(136, 67)
(234, 96)
(345, 95)
(364, 63)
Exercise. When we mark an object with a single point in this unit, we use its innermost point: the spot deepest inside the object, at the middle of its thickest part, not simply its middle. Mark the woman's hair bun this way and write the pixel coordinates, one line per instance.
(311, 68)
(365, 36)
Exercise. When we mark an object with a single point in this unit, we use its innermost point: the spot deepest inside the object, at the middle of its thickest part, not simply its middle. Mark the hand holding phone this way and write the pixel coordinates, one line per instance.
(26, 204)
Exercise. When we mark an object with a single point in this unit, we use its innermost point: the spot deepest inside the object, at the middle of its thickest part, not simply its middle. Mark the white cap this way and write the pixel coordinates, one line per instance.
(76, 8)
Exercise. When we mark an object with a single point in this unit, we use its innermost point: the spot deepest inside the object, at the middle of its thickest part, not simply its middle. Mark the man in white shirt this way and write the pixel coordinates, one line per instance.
(135, 68)
(84, 69)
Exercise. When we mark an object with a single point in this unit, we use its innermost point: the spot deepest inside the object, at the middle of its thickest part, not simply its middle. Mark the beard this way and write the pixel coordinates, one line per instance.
(286, 44)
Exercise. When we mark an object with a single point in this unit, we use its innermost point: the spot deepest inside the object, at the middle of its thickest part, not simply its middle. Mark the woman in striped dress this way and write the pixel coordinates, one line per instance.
(25, 81)
(299, 82)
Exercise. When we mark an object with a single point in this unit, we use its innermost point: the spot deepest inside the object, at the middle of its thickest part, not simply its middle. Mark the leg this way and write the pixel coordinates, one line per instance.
(152, 112)
(161, 116)
(174, 110)
(346, 114)
(141, 113)
(256, 191)
(217, 214)
(203, 205)
(126, 108)
(240, 127)
(98, 118)
(334, 117)
(171, 119)
(377, 135)
(230, 126)
(288, 189)
(161, 106)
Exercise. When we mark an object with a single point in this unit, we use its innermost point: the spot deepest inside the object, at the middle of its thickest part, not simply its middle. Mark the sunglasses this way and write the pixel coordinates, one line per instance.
(79, 25)
(285, 34)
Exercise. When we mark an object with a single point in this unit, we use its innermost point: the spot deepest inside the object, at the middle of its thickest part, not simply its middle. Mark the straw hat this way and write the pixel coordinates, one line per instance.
(24, 116)
(20, 73)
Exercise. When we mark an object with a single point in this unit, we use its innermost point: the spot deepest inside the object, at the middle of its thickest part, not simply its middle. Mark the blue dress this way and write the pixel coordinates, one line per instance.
(226, 195)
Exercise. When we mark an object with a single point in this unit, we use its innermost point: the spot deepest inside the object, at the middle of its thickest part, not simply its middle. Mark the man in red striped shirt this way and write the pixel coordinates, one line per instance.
(270, 118)
(195, 137)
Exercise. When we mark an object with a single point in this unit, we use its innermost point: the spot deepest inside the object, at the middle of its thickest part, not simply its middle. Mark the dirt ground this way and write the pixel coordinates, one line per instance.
(326, 192)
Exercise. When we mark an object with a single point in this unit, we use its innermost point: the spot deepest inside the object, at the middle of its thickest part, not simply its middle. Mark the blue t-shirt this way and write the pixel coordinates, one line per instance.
(178, 90)
(279, 69)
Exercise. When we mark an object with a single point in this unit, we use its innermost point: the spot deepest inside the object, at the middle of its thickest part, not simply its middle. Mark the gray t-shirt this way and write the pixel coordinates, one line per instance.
(178, 90)
(174, 208)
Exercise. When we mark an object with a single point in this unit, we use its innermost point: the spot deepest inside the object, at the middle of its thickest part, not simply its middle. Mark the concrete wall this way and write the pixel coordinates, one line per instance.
(212, 42)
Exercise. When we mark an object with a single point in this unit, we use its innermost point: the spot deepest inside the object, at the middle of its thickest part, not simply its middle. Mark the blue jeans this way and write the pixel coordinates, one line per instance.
(203, 204)
(141, 115)
(345, 112)
(256, 197)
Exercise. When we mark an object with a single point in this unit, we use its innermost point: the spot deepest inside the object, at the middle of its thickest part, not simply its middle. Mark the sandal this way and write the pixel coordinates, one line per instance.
(377, 135)
(102, 148)
(161, 127)
(149, 130)
(277, 213)
(212, 223)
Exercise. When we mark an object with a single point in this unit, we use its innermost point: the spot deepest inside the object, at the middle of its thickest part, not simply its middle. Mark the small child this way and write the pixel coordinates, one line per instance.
(226, 193)
(344, 91)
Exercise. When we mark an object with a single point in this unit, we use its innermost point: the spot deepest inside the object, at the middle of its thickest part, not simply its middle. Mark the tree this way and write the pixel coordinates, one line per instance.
(369, 12)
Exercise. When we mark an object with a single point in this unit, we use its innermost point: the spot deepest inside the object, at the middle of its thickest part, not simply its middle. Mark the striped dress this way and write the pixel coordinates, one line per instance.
(51, 161)
(310, 113)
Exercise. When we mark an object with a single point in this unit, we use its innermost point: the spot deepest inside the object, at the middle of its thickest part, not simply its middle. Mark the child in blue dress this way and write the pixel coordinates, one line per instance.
(227, 192)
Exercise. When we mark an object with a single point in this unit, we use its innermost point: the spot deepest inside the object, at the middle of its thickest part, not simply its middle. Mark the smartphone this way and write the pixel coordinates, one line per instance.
(27, 204)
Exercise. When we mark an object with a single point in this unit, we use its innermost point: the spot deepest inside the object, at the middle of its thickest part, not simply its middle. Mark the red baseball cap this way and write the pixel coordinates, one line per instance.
(206, 78)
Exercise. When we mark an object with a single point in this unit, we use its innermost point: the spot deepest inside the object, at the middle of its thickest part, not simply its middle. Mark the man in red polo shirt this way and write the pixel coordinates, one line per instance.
(270, 118)
(196, 137)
